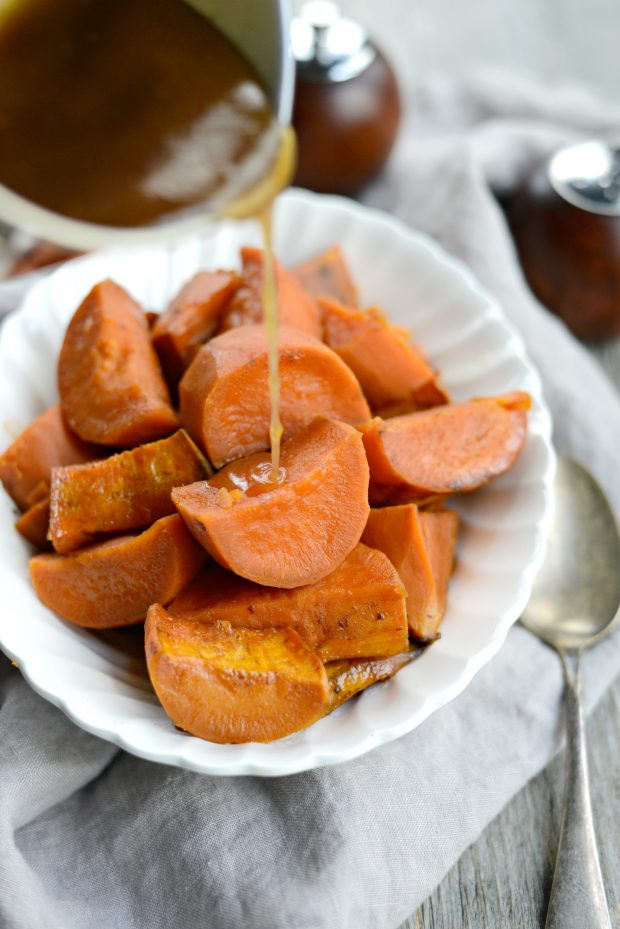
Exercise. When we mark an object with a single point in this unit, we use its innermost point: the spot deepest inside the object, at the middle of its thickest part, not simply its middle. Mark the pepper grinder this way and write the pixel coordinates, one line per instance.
(347, 105)
(565, 220)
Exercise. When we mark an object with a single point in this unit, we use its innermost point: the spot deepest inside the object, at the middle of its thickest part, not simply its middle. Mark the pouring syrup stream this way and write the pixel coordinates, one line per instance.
(258, 203)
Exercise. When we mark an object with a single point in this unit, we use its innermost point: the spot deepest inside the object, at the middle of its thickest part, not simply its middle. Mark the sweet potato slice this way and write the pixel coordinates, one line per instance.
(26, 465)
(126, 491)
(421, 547)
(34, 523)
(450, 449)
(115, 582)
(296, 308)
(41, 492)
(190, 319)
(356, 611)
(327, 275)
(349, 677)
(225, 400)
(111, 387)
(295, 532)
(233, 685)
(389, 368)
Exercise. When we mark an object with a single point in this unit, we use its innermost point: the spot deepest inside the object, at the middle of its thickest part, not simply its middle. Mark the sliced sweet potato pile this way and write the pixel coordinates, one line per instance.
(296, 308)
(190, 319)
(111, 387)
(126, 491)
(349, 677)
(450, 449)
(114, 583)
(26, 465)
(356, 611)
(231, 684)
(34, 524)
(389, 368)
(225, 399)
(327, 275)
(295, 532)
(421, 547)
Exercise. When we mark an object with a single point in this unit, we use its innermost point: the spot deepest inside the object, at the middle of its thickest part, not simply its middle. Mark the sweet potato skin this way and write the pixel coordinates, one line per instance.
(421, 547)
(114, 583)
(233, 685)
(390, 369)
(446, 450)
(111, 387)
(351, 676)
(224, 394)
(327, 275)
(296, 308)
(34, 524)
(191, 318)
(356, 611)
(301, 530)
(26, 465)
(126, 491)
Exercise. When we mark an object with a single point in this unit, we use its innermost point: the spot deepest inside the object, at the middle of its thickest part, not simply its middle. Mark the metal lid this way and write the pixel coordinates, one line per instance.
(328, 47)
(588, 176)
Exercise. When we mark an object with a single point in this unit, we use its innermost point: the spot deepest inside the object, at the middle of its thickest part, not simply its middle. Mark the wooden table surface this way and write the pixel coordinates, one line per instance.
(503, 880)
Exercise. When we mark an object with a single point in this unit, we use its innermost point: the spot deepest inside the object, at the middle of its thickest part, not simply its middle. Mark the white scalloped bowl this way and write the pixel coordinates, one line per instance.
(100, 682)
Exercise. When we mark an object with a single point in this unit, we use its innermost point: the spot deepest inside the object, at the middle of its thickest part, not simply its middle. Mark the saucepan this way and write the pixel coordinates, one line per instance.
(260, 29)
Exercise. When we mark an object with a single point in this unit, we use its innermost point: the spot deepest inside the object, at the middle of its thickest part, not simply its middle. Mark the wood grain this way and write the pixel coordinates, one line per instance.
(503, 880)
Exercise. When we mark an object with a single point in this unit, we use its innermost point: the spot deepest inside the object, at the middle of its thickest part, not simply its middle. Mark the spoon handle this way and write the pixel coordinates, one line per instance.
(577, 893)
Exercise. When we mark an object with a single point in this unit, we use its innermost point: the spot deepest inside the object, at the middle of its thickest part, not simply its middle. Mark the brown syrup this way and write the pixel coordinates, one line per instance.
(250, 476)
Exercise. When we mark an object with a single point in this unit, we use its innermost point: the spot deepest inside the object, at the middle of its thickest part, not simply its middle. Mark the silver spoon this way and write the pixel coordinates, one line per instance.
(575, 599)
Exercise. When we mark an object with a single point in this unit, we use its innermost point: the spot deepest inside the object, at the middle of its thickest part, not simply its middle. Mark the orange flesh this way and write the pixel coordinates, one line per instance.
(356, 611)
(327, 275)
(449, 449)
(34, 524)
(26, 465)
(225, 404)
(111, 387)
(233, 685)
(115, 582)
(126, 491)
(301, 530)
(296, 308)
(390, 370)
(421, 547)
(440, 530)
(190, 319)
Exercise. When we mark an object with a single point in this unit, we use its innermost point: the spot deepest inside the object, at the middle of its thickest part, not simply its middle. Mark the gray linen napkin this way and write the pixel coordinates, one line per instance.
(90, 836)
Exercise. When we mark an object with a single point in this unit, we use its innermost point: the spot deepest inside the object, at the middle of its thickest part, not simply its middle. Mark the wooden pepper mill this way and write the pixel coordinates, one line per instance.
(347, 105)
(565, 220)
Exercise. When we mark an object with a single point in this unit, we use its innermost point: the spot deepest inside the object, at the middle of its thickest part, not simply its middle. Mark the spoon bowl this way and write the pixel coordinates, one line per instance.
(577, 591)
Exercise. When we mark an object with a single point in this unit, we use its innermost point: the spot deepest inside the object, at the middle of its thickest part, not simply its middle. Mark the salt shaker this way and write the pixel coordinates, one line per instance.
(347, 104)
(565, 220)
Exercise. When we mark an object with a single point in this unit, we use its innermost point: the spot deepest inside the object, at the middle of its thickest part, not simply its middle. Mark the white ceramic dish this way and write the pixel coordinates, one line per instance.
(103, 687)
